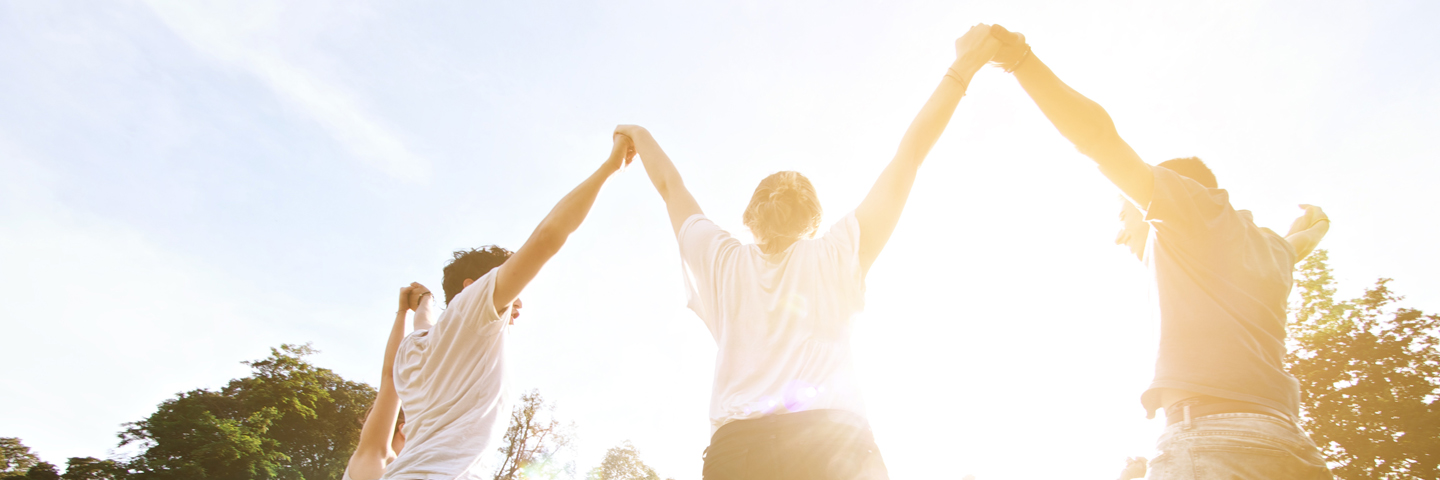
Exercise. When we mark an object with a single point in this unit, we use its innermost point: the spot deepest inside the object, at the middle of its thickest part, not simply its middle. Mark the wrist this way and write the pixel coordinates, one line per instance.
(966, 68)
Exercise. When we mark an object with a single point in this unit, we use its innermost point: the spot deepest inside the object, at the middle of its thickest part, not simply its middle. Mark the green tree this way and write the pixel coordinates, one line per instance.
(15, 457)
(533, 444)
(1369, 377)
(622, 463)
(41, 471)
(91, 468)
(289, 420)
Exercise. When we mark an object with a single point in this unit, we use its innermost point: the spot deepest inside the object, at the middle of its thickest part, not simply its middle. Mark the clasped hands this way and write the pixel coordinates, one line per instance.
(992, 44)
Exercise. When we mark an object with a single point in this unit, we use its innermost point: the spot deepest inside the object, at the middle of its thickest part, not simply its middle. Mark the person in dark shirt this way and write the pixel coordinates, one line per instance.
(1222, 285)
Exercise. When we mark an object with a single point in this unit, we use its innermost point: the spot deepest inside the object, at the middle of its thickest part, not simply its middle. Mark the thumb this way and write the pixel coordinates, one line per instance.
(1005, 36)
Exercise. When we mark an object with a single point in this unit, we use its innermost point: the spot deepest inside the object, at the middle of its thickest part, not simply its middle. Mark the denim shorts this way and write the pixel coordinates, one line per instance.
(810, 445)
(1236, 446)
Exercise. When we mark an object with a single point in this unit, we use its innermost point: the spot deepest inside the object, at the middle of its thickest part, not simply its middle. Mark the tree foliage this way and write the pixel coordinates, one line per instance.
(15, 457)
(533, 444)
(91, 468)
(622, 462)
(289, 420)
(1369, 378)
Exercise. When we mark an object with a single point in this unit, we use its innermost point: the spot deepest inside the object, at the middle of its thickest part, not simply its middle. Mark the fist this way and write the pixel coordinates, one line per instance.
(1313, 215)
(623, 149)
(411, 296)
(1013, 48)
(976, 46)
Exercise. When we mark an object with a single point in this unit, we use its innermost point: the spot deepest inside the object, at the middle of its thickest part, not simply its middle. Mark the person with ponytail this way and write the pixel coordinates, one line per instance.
(785, 403)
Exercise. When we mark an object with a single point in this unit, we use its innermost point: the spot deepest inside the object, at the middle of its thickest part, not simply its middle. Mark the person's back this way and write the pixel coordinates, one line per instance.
(785, 402)
(450, 380)
(781, 321)
(1222, 285)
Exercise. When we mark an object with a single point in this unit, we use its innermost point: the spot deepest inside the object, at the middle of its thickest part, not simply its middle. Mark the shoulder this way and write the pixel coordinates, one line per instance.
(698, 224)
(845, 232)
(479, 291)
(698, 233)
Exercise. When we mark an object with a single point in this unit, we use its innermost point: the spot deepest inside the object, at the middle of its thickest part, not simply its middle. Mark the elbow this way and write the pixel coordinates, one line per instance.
(666, 184)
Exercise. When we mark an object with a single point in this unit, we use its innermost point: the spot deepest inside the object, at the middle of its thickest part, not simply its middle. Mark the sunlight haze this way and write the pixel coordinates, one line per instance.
(189, 184)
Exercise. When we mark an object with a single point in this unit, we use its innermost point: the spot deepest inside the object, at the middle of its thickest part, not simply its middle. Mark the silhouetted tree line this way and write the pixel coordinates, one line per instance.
(1369, 374)
(291, 420)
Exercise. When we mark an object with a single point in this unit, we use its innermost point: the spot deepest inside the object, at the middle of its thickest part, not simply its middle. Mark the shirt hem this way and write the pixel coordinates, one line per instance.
(1151, 398)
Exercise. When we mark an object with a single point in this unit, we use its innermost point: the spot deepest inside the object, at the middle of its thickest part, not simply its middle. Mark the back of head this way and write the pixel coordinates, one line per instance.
(471, 264)
(1192, 168)
(783, 209)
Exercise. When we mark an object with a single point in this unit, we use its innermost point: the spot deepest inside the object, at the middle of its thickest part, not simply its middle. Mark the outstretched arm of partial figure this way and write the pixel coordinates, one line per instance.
(546, 240)
(1306, 231)
(678, 201)
(880, 211)
(1079, 119)
(373, 452)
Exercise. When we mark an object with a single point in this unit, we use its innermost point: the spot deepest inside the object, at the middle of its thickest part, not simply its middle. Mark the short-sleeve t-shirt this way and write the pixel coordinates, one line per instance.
(451, 381)
(1222, 284)
(781, 322)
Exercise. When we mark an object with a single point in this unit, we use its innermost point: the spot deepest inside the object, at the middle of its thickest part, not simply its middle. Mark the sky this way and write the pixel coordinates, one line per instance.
(186, 185)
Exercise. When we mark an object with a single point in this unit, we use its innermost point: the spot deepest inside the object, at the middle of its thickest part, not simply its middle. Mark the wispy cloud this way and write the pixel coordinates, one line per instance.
(235, 34)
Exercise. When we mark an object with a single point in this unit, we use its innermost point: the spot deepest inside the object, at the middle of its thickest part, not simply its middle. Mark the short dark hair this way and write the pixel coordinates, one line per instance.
(471, 264)
(1193, 168)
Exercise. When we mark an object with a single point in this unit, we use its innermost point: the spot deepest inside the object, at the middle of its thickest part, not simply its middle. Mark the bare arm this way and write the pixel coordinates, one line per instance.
(880, 211)
(1306, 231)
(678, 201)
(546, 240)
(373, 452)
(1082, 121)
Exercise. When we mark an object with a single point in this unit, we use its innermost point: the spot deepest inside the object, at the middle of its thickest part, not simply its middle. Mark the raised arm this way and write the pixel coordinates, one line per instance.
(546, 240)
(880, 211)
(1306, 231)
(678, 201)
(374, 451)
(1079, 119)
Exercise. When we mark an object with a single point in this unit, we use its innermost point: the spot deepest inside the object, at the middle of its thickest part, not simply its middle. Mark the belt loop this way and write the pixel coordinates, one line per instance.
(1187, 415)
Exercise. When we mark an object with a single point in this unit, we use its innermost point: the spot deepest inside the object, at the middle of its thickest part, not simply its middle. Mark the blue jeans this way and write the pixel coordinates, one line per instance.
(1237, 446)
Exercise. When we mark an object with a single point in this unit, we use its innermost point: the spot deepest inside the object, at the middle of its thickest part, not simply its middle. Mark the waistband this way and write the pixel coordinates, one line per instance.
(790, 421)
(1193, 407)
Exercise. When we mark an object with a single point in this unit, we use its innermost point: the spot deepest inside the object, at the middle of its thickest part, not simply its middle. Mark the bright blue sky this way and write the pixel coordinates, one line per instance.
(187, 185)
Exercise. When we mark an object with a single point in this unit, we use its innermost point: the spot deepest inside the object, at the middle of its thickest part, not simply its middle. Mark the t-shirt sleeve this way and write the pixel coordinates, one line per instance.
(472, 312)
(1182, 208)
(843, 245)
(701, 245)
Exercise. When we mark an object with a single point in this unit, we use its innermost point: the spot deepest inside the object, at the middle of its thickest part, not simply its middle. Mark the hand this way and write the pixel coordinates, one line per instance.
(1013, 48)
(976, 47)
(411, 296)
(515, 310)
(1134, 468)
(631, 131)
(622, 153)
(1313, 216)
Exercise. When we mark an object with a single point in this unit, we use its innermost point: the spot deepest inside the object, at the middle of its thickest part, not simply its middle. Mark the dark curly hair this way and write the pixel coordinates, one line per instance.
(471, 264)
(1193, 168)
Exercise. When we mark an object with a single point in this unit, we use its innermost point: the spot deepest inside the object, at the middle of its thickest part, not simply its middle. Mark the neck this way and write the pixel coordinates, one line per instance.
(777, 245)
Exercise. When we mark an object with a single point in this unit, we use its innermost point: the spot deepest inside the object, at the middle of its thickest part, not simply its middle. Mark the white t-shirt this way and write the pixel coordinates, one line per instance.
(451, 381)
(782, 321)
